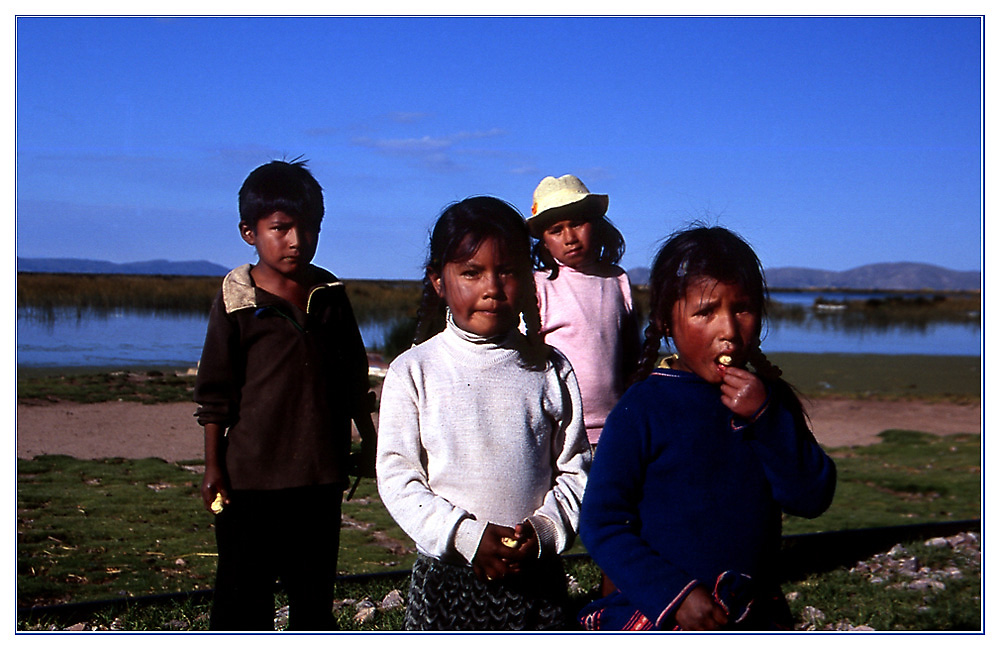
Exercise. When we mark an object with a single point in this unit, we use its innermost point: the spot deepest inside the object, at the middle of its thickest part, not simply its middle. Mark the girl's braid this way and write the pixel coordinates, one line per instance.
(427, 313)
(538, 351)
(770, 372)
(762, 365)
(649, 353)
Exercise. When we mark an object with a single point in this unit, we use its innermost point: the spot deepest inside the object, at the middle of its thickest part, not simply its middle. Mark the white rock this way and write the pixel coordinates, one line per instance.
(392, 600)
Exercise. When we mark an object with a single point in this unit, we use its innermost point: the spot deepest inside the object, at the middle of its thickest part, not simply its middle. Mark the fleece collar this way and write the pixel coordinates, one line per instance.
(239, 292)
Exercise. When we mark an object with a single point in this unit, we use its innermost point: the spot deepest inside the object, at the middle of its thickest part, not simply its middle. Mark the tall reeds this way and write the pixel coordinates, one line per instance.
(396, 301)
(372, 300)
(100, 292)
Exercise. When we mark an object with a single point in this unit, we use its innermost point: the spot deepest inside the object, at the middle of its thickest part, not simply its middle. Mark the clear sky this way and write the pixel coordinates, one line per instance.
(827, 142)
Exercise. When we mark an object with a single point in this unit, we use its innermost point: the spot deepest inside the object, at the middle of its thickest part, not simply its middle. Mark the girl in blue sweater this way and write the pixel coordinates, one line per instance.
(701, 456)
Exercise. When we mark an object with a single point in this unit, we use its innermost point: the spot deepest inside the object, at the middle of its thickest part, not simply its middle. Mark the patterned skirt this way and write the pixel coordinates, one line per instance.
(448, 597)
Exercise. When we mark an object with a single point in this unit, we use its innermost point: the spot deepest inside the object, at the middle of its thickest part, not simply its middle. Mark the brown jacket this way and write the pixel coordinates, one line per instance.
(285, 383)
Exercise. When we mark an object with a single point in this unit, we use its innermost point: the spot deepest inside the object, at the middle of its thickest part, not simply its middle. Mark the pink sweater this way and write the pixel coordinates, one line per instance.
(587, 317)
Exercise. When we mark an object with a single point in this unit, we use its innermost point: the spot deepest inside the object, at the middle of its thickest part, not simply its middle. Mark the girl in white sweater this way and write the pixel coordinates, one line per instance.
(482, 453)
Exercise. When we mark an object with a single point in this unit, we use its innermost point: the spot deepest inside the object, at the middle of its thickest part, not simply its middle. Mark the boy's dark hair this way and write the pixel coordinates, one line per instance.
(608, 239)
(458, 233)
(280, 186)
(697, 252)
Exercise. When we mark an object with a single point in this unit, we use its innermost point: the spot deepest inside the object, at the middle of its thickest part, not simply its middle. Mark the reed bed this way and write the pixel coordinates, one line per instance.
(372, 300)
(100, 292)
(396, 301)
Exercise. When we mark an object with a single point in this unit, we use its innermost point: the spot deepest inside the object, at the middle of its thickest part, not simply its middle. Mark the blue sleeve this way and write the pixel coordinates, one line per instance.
(610, 526)
(802, 477)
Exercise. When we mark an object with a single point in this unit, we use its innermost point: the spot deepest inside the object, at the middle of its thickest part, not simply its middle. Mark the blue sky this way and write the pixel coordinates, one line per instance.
(827, 142)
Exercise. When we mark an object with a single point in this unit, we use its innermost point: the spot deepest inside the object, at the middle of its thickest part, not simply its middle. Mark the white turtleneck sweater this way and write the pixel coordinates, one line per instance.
(468, 435)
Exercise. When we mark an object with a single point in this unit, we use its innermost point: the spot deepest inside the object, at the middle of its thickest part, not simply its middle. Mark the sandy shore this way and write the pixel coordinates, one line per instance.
(169, 431)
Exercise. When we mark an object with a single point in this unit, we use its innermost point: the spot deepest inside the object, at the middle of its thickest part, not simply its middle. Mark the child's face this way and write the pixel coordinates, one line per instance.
(712, 319)
(570, 242)
(483, 292)
(285, 244)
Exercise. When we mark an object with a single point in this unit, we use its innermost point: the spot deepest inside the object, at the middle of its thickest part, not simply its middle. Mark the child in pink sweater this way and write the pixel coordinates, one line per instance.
(584, 298)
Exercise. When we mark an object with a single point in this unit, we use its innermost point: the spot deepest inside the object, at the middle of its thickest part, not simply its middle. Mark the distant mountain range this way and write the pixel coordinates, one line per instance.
(894, 276)
(899, 276)
(151, 267)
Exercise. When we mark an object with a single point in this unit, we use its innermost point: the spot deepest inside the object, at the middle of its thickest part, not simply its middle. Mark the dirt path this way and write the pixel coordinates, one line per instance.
(168, 431)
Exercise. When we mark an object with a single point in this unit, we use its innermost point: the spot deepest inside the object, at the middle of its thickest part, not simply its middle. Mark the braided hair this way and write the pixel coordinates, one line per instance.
(459, 232)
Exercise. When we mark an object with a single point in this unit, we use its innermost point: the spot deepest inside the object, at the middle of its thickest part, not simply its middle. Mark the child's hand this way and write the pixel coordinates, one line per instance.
(700, 612)
(524, 544)
(493, 557)
(213, 484)
(743, 392)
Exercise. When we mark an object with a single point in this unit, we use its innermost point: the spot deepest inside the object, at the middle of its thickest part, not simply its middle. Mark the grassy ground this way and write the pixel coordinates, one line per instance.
(875, 376)
(923, 585)
(94, 530)
(865, 376)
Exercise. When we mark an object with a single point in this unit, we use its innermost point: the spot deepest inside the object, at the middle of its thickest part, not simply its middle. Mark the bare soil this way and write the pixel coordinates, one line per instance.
(170, 432)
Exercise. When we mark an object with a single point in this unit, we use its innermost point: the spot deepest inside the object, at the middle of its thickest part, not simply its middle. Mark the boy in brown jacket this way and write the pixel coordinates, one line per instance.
(282, 375)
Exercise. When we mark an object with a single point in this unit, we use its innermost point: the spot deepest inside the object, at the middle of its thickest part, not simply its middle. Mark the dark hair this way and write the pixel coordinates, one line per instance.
(689, 255)
(458, 233)
(608, 239)
(280, 186)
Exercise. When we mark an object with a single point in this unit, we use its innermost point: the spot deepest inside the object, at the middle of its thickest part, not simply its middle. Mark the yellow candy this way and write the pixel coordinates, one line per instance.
(217, 504)
(725, 360)
(509, 541)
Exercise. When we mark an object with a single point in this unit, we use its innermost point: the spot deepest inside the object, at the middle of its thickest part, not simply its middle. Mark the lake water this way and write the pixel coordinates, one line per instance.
(123, 338)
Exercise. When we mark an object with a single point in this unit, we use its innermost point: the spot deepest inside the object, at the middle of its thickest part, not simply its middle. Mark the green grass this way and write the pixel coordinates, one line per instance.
(909, 477)
(877, 376)
(90, 530)
(863, 376)
(890, 602)
(76, 385)
(838, 599)
(95, 530)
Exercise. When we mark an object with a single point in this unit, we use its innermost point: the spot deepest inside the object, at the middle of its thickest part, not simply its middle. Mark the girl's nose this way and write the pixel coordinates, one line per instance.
(494, 286)
(727, 326)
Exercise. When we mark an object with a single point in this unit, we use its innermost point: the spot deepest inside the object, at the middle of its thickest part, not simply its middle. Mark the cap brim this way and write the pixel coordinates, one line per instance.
(592, 205)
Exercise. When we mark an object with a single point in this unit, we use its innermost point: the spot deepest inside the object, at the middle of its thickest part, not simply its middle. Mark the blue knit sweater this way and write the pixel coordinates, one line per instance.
(682, 491)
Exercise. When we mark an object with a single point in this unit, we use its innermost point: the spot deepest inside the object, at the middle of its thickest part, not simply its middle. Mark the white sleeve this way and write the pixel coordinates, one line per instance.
(430, 520)
(556, 521)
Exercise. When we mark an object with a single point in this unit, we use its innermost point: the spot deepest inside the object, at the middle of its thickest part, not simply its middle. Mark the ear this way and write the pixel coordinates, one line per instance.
(248, 233)
(436, 282)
